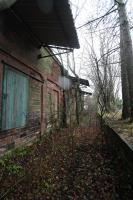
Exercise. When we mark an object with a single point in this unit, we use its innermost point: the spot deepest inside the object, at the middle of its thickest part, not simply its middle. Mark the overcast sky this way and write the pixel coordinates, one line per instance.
(90, 9)
(86, 10)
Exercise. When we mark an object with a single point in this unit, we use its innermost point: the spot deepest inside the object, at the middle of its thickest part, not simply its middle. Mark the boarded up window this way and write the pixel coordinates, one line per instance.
(35, 97)
(15, 99)
(52, 107)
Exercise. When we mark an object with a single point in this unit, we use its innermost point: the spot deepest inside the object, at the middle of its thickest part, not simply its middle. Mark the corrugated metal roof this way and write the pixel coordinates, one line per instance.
(53, 28)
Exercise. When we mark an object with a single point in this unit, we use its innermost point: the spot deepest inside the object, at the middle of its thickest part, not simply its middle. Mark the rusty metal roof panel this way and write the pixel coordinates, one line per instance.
(55, 27)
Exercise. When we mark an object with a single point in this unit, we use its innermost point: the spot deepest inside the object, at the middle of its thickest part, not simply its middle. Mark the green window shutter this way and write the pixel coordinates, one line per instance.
(15, 99)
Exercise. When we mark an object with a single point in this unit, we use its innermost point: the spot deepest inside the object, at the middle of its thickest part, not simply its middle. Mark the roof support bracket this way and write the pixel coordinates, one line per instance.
(57, 47)
(52, 55)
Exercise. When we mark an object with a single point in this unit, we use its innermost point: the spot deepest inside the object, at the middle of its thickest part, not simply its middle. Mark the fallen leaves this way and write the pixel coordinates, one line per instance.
(79, 167)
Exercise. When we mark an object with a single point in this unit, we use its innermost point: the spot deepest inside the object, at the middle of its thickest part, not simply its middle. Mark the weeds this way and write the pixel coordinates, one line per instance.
(15, 169)
(47, 187)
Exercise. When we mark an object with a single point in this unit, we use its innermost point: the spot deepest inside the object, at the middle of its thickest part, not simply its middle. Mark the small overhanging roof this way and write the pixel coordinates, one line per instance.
(80, 80)
(55, 27)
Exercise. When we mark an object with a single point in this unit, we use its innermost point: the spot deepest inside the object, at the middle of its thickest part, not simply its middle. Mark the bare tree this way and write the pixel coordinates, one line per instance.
(108, 22)
(104, 69)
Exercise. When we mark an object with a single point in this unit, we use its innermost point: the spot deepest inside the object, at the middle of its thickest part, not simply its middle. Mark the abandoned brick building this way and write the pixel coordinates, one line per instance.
(29, 71)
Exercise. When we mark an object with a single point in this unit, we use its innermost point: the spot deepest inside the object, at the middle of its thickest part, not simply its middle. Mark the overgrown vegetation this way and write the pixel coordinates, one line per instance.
(72, 163)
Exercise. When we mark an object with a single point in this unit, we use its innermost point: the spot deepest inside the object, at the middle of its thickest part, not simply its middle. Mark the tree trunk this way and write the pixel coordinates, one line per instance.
(126, 61)
(125, 93)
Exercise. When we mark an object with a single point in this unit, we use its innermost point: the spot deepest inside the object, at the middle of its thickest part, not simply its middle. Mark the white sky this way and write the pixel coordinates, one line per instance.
(87, 10)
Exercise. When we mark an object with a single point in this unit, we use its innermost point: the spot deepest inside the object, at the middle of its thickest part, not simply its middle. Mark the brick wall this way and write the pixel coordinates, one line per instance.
(20, 50)
(17, 136)
(55, 73)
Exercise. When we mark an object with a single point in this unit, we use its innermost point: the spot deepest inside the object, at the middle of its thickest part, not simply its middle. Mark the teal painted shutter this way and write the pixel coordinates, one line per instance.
(8, 100)
(15, 99)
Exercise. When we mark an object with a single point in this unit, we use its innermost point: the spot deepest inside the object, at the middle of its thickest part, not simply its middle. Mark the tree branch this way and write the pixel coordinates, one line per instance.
(101, 17)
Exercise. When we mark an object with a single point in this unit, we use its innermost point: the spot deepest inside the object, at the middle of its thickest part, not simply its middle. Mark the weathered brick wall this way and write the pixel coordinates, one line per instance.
(70, 105)
(34, 113)
(17, 136)
(55, 72)
(51, 71)
(19, 49)
(34, 97)
(54, 88)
